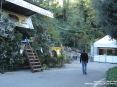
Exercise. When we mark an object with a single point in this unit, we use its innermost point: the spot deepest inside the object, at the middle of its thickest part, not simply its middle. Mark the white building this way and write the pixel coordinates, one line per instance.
(105, 50)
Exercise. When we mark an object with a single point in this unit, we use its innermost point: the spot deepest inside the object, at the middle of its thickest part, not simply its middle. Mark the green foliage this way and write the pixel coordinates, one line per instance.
(9, 44)
(74, 24)
(60, 63)
(41, 37)
(7, 27)
(107, 16)
(111, 76)
(81, 25)
(61, 56)
(9, 53)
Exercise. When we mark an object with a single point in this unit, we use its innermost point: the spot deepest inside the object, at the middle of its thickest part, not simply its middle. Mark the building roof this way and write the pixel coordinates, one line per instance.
(106, 41)
(25, 8)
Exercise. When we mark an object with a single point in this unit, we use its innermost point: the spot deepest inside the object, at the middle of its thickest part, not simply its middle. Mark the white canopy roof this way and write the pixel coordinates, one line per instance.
(106, 41)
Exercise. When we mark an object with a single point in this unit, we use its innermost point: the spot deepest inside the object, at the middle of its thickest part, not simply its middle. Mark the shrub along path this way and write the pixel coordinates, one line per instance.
(69, 76)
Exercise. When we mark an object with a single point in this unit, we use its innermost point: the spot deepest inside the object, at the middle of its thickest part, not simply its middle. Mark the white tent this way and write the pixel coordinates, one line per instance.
(105, 50)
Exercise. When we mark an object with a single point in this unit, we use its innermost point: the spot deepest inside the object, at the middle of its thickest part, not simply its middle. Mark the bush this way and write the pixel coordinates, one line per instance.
(60, 59)
(111, 76)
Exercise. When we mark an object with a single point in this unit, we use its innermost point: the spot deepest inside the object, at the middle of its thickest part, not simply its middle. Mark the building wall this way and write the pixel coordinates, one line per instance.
(23, 21)
(104, 57)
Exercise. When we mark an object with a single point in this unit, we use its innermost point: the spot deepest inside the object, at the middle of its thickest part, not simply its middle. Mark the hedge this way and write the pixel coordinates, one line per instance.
(111, 77)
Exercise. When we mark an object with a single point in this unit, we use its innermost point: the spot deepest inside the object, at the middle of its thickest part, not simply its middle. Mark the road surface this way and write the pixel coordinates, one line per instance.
(68, 76)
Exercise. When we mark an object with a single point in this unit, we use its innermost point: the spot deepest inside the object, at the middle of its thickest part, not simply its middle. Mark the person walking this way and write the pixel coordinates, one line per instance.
(84, 61)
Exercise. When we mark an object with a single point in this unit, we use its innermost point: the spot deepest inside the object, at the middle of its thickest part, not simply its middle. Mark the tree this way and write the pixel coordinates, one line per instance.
(73, 24)
(107, 16)
(81, 20)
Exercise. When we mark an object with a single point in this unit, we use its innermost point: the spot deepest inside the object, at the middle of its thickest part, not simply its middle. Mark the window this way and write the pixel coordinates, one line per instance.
(101, 51)
(109, 52)
(115, 52)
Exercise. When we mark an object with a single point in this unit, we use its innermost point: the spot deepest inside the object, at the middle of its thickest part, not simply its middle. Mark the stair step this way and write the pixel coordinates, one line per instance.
(31, 54)
(37, 69)
(36, 66)
(32, 63)
(33, 59)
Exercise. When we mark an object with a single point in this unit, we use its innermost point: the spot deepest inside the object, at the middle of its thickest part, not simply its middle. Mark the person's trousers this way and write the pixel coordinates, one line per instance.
(84, 67)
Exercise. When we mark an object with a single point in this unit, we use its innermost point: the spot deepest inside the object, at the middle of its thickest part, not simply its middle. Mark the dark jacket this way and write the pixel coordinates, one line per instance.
(84, 57)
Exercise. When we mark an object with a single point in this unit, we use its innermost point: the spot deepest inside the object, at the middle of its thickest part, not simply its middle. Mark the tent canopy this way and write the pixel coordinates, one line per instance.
(106, 41)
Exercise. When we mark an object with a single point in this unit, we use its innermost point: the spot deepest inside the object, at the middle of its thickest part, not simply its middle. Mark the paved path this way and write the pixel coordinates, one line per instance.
(69, 76)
